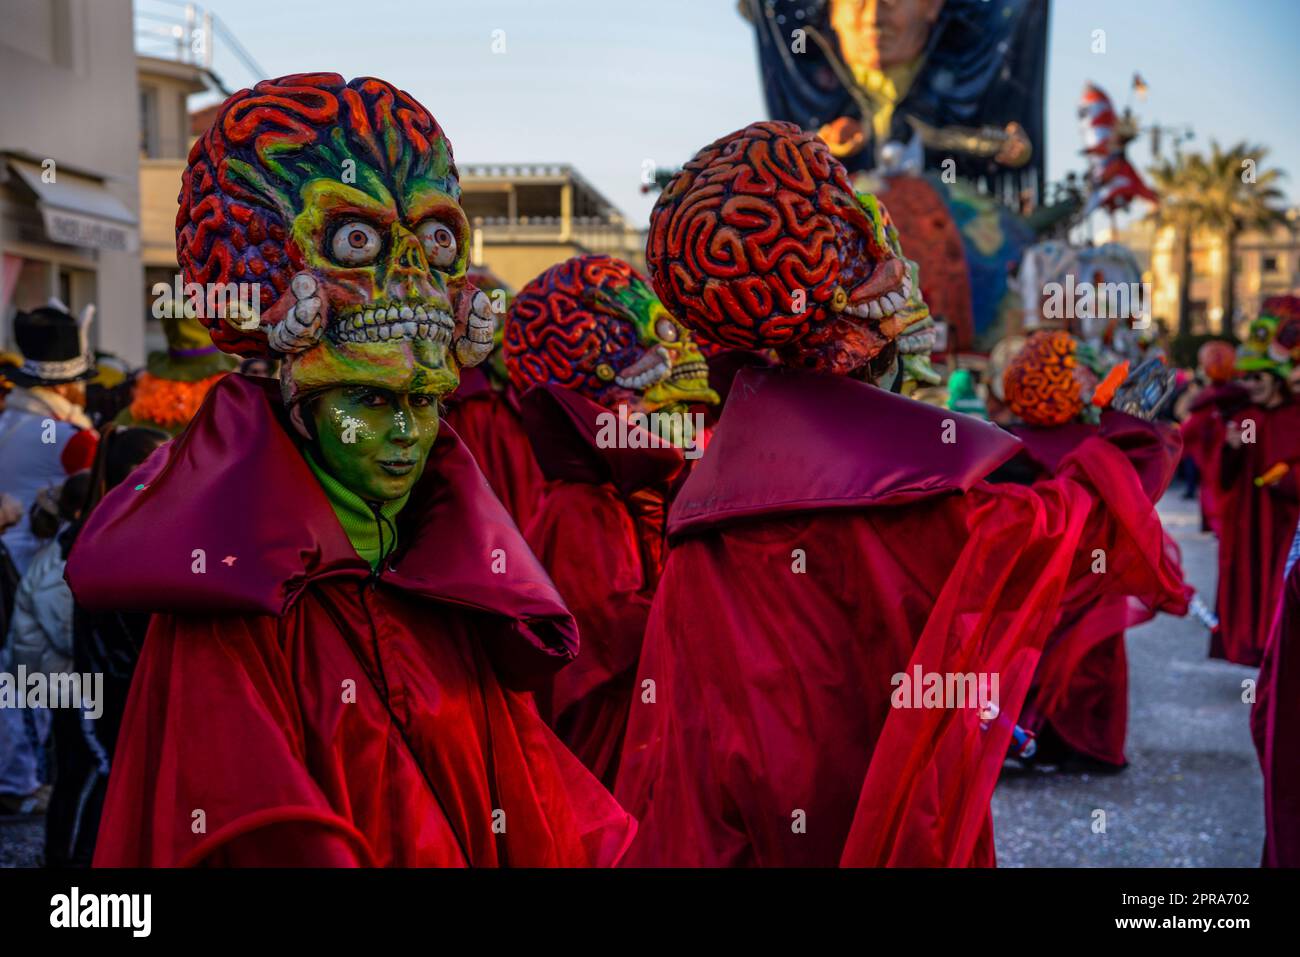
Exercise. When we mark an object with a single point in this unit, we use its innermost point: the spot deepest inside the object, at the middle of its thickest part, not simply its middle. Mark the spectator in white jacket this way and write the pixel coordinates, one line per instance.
(39, 639)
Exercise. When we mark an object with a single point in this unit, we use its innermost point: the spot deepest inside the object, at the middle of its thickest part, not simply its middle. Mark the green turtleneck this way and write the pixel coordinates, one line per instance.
(358, 518)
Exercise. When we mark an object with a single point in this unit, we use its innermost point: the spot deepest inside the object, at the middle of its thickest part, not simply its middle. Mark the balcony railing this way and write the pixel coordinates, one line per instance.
(190, 33)
(517, 170)
(591, 233)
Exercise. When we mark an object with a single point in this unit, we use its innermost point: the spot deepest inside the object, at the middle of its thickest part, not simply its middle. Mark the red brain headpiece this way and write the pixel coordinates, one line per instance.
(1217, 358)
(760, 242)
(593, 324)
(1044, 383)
(557, 331)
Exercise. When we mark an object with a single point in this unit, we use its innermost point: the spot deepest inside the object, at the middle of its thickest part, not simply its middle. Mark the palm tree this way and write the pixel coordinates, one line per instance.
(1179, 183)
(1244, 196)
(1226, 193)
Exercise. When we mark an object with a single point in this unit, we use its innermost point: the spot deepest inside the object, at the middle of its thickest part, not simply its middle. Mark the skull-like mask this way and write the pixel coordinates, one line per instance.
(593, 324)
(340, 202)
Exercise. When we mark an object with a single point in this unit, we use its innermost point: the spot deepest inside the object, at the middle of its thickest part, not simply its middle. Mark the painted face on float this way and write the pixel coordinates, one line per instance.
(879, 34)
(593, 324)
(339, 203)
(760, 242)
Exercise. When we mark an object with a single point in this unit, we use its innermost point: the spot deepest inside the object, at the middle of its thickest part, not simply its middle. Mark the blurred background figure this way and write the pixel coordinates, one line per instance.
(39, 640)
(175, 381)
(106, 643)
(42, 414)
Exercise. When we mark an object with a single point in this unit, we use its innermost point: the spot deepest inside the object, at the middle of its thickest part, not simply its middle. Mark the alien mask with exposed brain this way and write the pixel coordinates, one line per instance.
(594, 325)
(339, 203)
(760, 242)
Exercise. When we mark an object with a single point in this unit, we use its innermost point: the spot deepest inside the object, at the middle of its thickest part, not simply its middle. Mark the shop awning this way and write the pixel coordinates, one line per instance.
(78, 210)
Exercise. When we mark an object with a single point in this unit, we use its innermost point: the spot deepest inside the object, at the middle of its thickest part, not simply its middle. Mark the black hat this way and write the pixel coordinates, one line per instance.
(53, 348)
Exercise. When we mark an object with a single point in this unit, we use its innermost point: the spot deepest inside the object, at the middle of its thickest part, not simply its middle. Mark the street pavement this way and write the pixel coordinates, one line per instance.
(1191, 796)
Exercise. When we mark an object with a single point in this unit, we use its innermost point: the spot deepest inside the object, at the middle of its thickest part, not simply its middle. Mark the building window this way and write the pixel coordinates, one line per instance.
(148, 121)
(1269, 264)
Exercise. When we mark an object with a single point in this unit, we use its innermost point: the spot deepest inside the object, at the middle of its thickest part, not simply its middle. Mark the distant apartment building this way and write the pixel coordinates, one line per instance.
(1267, 264)
(165, 138)
(527, 217)
(70, 166)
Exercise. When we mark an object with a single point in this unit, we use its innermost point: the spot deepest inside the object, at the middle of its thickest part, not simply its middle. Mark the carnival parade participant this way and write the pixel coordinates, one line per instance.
(595, 354)
(43, 429)
(1258, 496)
(176, 380)
(1212, 398)
(836, 546)
(43, 412)
(484, 413)
(1078, 702)
(1275, 722)
(344, 615)
(106, 643)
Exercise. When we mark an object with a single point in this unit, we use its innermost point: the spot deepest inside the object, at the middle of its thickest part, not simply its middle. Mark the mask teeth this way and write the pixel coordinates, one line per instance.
(644, 379)
(884, 305)
(690, 370)
(388, 322)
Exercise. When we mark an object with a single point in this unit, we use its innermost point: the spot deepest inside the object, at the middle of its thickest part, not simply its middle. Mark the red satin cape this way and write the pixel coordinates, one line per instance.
(805, 575)
(1257, 525)
(289, 708)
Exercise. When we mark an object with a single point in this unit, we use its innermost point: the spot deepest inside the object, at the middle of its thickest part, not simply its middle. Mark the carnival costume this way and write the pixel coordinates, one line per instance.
(344, 615)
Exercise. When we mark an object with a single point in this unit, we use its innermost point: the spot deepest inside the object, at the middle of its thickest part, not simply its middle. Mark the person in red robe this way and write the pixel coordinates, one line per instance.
(1275, 723)
(1078, 703)
(608, 379)
(346, 622)
(1205, 411)
(484, 412)
(836, 552)
(1258, 497)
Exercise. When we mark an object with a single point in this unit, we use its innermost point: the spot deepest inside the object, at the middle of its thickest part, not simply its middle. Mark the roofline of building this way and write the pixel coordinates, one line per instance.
(541, 172)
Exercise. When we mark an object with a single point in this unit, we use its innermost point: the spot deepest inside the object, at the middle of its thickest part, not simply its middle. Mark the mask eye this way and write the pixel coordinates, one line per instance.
(355, 244)
(666, 329)
(439, 243)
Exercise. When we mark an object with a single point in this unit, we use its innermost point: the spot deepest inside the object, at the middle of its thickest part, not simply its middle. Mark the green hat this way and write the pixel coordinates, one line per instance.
(1255, 355)
(962, 396)
(190, 354)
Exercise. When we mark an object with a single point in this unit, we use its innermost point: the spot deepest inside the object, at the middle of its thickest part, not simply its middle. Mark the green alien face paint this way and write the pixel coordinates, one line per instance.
(373, 441)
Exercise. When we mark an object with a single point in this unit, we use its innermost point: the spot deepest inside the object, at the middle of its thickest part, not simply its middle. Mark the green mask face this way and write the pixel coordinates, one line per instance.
(373, 441)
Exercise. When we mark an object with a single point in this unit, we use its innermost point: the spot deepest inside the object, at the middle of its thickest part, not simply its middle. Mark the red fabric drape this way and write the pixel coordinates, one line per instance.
(487, 421)
(805, 576)
(599, 532)
(1275, 725)
(289, 707)
(1081, 686)
(359, 730)
(585, 537)
(1257, 526)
